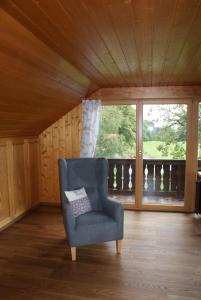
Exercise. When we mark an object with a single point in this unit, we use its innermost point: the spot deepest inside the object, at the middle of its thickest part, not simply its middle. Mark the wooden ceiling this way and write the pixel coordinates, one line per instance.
(53, 53)
(37, 86)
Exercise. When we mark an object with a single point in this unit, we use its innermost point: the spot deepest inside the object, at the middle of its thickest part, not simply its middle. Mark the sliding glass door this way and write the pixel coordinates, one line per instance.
(147, 147)
(117, 142)
(164, 154)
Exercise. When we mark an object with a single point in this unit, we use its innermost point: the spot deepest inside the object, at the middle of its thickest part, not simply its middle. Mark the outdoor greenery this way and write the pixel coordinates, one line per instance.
(151, 150)
(117, 135)
(164, 132)
(168, 128)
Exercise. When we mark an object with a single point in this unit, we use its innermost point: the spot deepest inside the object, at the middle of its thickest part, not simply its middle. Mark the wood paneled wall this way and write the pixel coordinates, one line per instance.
(60, 140)
(29, 166)
(19, 180)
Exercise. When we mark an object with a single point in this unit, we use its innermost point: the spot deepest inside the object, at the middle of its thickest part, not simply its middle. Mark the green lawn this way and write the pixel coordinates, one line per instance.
(150, 150)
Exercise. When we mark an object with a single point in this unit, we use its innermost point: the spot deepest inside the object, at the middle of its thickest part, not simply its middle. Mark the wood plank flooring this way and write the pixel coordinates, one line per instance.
(160, 260)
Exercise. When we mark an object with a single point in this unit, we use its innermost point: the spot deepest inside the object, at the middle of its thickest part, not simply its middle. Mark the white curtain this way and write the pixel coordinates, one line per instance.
(90, 127)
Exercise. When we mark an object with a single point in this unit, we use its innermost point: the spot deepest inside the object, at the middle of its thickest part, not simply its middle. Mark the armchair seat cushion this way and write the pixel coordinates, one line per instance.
(95, 227)
(93, 217)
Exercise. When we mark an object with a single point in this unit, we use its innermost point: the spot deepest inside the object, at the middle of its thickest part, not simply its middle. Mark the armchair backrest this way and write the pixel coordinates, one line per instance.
(90, 173)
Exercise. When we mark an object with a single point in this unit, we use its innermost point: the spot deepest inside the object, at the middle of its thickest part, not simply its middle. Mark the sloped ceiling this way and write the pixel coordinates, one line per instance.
(37, 86)
(53, 53)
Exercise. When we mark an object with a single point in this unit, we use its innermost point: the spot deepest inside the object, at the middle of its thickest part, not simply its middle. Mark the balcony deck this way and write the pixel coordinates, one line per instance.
(157, 200)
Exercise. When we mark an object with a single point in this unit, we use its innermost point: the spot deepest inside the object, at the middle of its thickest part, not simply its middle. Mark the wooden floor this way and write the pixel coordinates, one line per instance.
(161, 260)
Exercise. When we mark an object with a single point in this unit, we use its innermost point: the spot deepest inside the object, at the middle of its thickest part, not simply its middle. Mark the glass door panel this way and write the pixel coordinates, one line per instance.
(117, 142)
(164, 154)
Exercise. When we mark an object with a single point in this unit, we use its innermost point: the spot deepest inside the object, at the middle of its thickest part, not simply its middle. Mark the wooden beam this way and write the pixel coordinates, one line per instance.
(128, 94)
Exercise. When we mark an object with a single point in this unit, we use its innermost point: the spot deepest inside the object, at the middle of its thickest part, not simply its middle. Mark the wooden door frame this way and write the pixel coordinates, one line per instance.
(191, 154)
(191, 157)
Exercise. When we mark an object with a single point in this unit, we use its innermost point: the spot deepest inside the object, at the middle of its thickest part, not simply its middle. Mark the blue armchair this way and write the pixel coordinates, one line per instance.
(105, 221)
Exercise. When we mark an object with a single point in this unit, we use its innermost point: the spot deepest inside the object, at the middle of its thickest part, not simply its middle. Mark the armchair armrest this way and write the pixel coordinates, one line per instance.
(113, 208)
(69, 218)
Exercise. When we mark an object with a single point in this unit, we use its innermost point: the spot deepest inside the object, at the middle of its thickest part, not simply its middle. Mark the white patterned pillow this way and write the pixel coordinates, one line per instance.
(79, 201)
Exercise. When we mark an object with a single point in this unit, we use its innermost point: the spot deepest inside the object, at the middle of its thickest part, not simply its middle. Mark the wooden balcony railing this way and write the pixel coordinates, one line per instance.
(162, 177)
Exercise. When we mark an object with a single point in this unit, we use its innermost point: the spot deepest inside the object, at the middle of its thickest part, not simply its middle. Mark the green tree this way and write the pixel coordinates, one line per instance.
(165, 124)
(117, 136)
(172, 132)
(150, 131)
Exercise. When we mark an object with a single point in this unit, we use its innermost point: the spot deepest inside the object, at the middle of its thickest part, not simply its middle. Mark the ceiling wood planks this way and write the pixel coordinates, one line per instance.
(119, 42)
(53, 53)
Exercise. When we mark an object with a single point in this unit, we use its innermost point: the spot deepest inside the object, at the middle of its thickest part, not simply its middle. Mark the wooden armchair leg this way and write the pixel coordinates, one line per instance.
(118, 246)
(73, 253)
